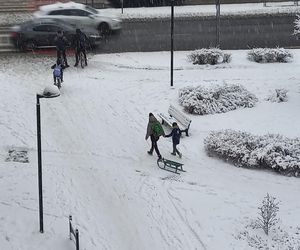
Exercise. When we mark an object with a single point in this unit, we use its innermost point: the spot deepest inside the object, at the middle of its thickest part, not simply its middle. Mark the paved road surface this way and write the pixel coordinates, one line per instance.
(239, 32)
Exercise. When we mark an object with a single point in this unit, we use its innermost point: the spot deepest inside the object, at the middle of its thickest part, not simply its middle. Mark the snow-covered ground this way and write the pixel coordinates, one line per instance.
(179, 11)
(96, 166)
(207, 10)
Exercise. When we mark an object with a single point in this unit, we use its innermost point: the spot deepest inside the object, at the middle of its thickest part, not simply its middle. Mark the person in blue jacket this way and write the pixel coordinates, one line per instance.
(176, 134)
(58, 71)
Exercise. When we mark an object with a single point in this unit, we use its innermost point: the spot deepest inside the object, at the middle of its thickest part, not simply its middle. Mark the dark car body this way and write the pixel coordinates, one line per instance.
(41, 34)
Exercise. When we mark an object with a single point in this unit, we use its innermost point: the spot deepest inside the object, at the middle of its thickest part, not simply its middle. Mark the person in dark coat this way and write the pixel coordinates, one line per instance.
(176, 134)
(61, 44)
(153, 136)
(80, 42)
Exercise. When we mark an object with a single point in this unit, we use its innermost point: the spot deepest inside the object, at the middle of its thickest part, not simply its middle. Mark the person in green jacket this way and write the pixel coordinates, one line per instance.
(154, 131)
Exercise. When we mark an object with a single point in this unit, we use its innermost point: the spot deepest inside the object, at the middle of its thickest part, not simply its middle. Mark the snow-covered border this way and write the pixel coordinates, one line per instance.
(271, 151)
(203, 100)
(269, 55)
(209, 56)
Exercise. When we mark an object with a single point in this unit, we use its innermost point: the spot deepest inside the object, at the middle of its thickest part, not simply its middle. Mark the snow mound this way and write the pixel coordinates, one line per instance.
(280, 95)
(246, 150)
(268, 55)
(201, 100)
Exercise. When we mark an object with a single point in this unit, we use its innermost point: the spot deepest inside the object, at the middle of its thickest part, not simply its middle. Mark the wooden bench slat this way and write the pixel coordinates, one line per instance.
(176, 116)
(169, 120)
(179, 116)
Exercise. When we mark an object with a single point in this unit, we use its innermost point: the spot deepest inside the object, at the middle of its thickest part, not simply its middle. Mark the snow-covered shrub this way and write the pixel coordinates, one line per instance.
(209, 56)
(279, 96)
(297, 25)
(217, 99)
(280, 237)
(267, 55)
(267, 214)
(245, 150)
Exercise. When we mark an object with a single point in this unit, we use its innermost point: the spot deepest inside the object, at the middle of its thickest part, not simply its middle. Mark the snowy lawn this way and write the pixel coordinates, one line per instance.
(207, 10)
(96, 167)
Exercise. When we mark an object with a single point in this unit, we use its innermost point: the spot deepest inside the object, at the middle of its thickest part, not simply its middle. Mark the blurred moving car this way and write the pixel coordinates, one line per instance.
(81, 16)
(41, 34)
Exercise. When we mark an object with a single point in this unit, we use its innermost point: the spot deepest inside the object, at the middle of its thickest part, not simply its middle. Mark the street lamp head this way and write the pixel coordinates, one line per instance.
(49, 92)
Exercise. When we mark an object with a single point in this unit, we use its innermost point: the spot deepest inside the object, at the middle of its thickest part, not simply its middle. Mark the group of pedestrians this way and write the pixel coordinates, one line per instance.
(80, 42)
(155, 130)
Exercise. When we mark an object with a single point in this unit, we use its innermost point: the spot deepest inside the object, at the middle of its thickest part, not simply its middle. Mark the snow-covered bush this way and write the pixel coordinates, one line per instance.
(279, 96)
(245, 150)
(297, 25)
(280, 237)
(209, 56)
(267, 55)
(217, 99)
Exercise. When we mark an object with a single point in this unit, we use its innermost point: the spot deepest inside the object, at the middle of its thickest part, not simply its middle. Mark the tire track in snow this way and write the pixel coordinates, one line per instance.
(66, 185)
(197, 237)
(146, 182)
(162, 214)
(141, 185)
(161, 223)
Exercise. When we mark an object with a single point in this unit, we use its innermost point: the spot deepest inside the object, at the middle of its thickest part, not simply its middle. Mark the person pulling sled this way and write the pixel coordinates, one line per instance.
(154, 131)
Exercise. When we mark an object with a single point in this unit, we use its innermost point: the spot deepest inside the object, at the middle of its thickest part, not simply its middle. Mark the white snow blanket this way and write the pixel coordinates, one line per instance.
(95, 161)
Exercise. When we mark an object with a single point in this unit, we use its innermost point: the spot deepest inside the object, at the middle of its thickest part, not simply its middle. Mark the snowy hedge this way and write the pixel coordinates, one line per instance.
(297, 25)
(217, 99)
(243, 149)
(280, 95)
(267, 55)
(209, 56)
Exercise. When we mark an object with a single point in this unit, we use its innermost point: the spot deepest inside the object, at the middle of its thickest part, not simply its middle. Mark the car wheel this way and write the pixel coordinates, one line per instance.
(29, 45)
(103, 29)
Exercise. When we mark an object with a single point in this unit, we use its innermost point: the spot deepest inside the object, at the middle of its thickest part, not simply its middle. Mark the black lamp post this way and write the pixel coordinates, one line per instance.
(49, 92)
(172, 39)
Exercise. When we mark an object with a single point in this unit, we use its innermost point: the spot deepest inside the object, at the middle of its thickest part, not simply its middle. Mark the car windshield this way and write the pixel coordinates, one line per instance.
(90, 9)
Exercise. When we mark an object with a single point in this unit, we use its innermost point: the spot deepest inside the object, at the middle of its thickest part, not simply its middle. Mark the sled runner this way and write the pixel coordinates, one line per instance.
(171, 166)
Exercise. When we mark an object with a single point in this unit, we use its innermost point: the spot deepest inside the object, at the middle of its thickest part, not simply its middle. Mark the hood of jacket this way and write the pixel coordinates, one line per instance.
(152, 119)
